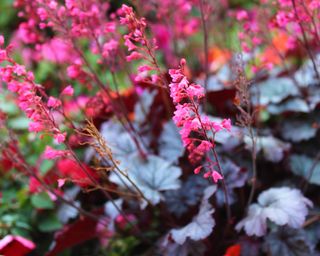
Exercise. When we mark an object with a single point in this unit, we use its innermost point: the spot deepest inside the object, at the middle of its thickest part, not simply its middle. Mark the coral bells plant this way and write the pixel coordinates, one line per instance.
(111, 144)
(186, 97)
(29, 98)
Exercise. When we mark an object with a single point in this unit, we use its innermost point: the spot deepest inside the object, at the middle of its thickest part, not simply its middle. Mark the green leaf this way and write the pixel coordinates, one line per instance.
(152, 176)
(171, 147)
(298, 130)
(8, 107)
(19, 123)
(49, 223)
(22, 224)
(42, 201)
(9, 219)
(45, 166)
(272, 148)
(8, 196)
(291, 105)
(288, 242)
(44, 70)
(301, 165)
(22, 196)
(19, 232)
(122, 246)
(273, 90)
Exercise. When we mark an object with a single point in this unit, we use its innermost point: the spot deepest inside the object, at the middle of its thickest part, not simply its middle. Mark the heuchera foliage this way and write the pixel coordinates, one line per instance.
(173, 127)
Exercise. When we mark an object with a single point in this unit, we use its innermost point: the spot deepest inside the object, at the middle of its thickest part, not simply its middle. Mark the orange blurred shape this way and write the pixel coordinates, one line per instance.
(218, 57)
(278, 48)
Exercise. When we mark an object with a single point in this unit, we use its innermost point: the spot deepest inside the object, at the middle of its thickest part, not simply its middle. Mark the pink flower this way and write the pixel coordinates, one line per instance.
(204, 146)
(29, 99)
(19, 69)
(122, 222)
(73, 71)
(51, 153)
(60, 137)
(68, 91)
(226, 124)
(42, 13)
(134, 56)
(214, 174)
(13, 86)
(315, 4)
(195, 90)
(57, 50)
(198, 169)
(42, 25)
(129, 44)
(181, 115)
(3, 54)
(196, 153)
(154, 78)
(216, 126)
(285, 3)
(242, 15)
(126, 10)
(36, 127)
(61, 182)
(241, 35)
(207, 175)
(195, 127)
(256, 40)
(144, 68)
(282, 19)
(110, 27)
(53, 102)
(26, 32)
(108, 47)
(180, 88)
(245, 47)
(1, 40)
(53, 5)
(185, 132)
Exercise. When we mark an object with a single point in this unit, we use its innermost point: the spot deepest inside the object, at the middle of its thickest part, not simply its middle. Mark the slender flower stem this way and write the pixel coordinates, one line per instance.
(106, 155)
(225, 189)
(310, 221)
(205, 49)
(224, 186)
(105, 88)
(119, 114)
(305, 40)
(95, 182)
(130, 181)
(254, 166)
(126, 114)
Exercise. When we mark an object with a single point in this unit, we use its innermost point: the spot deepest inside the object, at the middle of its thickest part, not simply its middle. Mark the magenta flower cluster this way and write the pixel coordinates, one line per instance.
(195, 127)
(31, 99)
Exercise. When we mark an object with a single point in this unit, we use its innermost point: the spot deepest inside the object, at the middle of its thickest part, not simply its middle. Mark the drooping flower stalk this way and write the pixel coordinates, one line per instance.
(246, 119)
(71, 22)
(196, 127)
(21, 82)
(139, 46)
(204, 21)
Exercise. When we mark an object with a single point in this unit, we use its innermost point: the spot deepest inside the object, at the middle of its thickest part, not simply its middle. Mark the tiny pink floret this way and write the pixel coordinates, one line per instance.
(68, 91)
